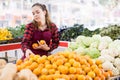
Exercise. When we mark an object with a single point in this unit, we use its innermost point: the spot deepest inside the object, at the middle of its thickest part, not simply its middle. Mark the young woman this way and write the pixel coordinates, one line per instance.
(41, 28)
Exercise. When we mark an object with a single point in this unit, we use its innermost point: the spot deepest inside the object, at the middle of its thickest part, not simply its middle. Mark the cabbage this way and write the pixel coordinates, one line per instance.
(80, 39)
(72, 45)
(80, 51)
(87, 41)
(94, 45)
(96, 38)
(93, 52)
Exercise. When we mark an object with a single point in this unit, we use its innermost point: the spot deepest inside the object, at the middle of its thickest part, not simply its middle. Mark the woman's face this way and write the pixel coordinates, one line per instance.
(38, 14)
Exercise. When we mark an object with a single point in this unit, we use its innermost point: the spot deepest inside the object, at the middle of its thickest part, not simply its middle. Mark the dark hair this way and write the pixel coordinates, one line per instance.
(47, 18)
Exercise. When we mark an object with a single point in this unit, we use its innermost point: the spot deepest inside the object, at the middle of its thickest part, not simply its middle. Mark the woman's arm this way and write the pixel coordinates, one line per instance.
(26, 41)
(55, 38)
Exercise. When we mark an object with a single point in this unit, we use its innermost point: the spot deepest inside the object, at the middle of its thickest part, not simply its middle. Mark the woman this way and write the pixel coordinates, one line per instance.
(41, 28)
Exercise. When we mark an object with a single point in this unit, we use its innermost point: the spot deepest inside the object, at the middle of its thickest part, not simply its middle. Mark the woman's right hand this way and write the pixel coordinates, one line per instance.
(28, 52)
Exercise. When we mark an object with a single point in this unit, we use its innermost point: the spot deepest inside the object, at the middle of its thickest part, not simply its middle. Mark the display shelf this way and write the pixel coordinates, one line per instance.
(12, 46)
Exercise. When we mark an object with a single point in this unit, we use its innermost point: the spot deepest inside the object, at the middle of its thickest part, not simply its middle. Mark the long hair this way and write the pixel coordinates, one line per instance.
(47, 18)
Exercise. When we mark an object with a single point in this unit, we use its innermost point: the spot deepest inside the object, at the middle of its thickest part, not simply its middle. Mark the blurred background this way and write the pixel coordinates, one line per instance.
(92, 13)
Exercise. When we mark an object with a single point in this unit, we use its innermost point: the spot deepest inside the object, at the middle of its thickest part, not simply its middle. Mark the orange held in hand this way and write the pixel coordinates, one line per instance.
(34, 45)
(42, 42)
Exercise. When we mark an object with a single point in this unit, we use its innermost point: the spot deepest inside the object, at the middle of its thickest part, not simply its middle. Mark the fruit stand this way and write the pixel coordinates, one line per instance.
(14, 46)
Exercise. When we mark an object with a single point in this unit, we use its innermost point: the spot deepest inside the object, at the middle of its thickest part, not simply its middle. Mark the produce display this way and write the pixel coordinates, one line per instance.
(63, 65)
(98, 47)
(89, 56)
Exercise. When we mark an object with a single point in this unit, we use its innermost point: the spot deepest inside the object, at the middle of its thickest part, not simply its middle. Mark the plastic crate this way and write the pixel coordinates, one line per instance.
(115, 78)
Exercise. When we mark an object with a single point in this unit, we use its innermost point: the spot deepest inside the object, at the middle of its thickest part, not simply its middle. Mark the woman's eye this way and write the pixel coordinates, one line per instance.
(37, 12)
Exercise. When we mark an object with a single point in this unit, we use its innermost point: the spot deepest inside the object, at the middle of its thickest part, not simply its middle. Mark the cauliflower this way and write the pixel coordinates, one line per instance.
(106, 39)
(115, 44)
(104, 51)
(103, 45)
(106, 57)
(107, 65)
(113, 52)
(117, 63)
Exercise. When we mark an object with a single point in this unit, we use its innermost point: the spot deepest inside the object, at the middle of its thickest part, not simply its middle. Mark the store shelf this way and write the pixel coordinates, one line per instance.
(12, 46)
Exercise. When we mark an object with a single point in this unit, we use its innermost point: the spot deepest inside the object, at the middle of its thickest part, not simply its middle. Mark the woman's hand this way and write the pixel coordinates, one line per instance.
(43, 47)
(28, 52)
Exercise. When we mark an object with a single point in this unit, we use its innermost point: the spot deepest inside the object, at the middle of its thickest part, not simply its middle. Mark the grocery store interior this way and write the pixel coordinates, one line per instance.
(89, 33)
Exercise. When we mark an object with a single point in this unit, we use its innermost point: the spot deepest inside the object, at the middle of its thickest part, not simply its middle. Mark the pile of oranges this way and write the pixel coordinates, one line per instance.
(41, 42)
(64, 66)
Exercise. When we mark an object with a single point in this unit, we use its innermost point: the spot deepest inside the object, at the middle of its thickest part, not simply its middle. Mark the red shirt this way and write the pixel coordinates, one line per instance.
(32, 35)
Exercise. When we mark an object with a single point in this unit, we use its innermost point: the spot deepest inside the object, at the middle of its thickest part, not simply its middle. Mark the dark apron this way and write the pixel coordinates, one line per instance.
(41, 35)
(37, 36)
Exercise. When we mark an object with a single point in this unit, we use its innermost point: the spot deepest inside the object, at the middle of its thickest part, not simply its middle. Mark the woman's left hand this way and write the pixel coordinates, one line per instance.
(43, 47)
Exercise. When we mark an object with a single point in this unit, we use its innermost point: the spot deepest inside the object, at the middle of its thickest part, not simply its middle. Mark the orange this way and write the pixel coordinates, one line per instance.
(65, 77)
(71, 61)
(83, 61)
(97, 78)
(34, 45)
(72, 77)
(78, 70)
(18, 68)
(91, 74)
(48, 66)
(54, 66)
(41, 60)
(44, 71)
(19, 62)
(36, 71)
(63, 69)
(97, 71)
(94, 66)
(59, 62)
(67, 64)
(72, 70)
(31, 56)
(33, 65)
(90, 61)
(106, 74)
(49, 77)
(80, 77)
(36, 57)
(102, 77)
(110, 72)
(76, 64)
(42, 42)
(98, 62)
(27, 63)
(42, 77)
(51, 71)
(87, 69)
(88, 78)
